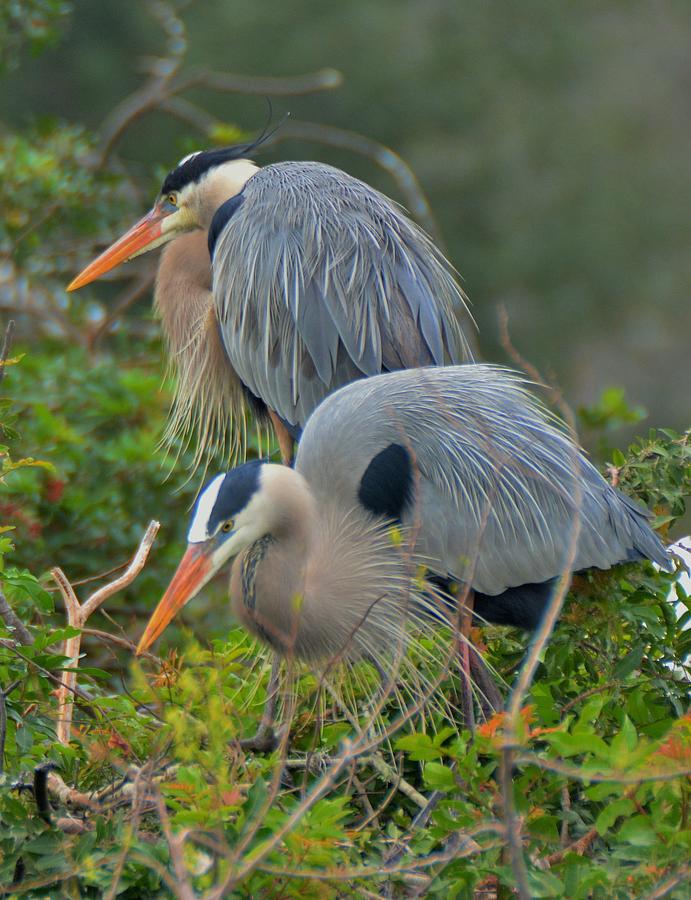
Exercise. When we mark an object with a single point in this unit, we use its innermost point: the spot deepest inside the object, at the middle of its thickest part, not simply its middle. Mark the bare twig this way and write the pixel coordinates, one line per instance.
(130, 296)
(664, 888)
(118, 641)
(383, 156)
(566, 806)
(579, 847)
(77, 615)
(175, 845)
(164, 86)
(266, 86)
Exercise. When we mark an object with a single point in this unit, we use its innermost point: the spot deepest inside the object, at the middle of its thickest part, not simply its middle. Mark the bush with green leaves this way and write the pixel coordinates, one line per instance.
(155, 794)
(166, 802)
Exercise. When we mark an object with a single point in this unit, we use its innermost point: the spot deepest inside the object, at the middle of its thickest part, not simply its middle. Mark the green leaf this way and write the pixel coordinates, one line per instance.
(420, 746)
(638, 831)
(630, 662)
(439, 777)
(611, 813)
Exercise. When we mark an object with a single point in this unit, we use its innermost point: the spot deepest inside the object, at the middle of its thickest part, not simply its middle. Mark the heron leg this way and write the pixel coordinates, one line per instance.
(490, 697)
(265, 740)
(465, 653)
(284, 438)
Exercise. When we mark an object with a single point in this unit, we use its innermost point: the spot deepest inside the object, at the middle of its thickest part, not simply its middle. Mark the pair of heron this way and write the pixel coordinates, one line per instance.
(303, 294)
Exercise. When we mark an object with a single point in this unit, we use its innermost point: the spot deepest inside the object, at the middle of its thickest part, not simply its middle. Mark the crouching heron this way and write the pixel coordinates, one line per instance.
(484, 487)
(282, 284)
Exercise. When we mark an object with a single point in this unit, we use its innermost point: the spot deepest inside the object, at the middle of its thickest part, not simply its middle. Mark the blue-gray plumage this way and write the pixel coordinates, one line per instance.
(501, 489)
(282, 284)
(485, 487)
(320, 280)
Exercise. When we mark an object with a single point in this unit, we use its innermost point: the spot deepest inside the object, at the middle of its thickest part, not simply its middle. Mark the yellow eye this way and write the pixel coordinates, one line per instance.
(227, 526)
(172, 199)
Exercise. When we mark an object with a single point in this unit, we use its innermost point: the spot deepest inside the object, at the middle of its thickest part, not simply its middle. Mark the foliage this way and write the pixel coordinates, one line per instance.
(33, 22)
(166, 802)
(605, 728)
(51, 194)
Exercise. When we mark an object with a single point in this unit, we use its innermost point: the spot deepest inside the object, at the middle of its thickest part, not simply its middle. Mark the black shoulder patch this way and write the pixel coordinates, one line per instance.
(222, 216)
(386, 487)
(198, 164)
(236, 492)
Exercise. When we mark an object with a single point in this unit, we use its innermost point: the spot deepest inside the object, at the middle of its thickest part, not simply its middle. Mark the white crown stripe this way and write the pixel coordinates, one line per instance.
(198, 529)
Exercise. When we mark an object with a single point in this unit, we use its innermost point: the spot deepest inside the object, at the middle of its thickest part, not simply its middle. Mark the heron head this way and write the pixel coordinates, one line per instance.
(189, 196)
(233, 511)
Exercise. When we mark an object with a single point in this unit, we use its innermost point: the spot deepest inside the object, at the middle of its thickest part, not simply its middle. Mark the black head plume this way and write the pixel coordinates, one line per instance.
(194, 166)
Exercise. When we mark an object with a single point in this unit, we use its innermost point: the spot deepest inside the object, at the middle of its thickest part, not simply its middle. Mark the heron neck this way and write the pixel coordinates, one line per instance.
(220, 185)
(182, 294)
(209, 397)
(268, 582)
(337, 588)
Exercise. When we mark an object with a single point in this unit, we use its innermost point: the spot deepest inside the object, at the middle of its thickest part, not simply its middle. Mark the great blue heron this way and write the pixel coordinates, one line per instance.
(282, 284)
(482, 485)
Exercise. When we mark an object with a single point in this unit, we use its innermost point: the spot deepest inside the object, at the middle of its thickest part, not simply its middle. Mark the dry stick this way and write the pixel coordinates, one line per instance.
(382, 155)
(579, 847)
(532, 659)
(664, 888)
(124, 643)
(115, 310)
(175, 847)
(566, 806)
(77, 615)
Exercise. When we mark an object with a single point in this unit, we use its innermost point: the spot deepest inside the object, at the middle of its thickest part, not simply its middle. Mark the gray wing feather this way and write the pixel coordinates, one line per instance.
(503, 496)
(319, 279)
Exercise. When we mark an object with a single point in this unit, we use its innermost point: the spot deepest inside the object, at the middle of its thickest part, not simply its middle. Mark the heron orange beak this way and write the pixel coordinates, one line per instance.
(135, 241)
(192, 574)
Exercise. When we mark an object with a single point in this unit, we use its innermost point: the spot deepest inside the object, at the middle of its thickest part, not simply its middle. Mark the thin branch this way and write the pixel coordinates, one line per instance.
(77, 616)
(532, 659)
(579, 847)
(175, 846)
(381, 155)
(124, 643)
(128, 576)
(263, 85)
(665, 888)
(127, 299)
(513, 825)
(90, 579)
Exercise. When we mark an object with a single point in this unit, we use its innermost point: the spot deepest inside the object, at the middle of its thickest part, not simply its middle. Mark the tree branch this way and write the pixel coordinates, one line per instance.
(77, 615)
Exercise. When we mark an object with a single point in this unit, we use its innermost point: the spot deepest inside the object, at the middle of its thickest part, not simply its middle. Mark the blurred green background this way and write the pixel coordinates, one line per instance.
(552, 140)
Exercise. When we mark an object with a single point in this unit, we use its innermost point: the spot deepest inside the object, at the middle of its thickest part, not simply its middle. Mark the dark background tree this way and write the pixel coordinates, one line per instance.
(552, 141)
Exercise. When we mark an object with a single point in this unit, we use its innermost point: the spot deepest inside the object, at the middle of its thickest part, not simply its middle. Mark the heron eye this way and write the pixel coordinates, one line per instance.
(227, 526)
(172, 199)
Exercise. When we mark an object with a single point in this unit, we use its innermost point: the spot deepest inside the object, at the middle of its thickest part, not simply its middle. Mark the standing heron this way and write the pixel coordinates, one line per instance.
(483, 485)
(280, 285)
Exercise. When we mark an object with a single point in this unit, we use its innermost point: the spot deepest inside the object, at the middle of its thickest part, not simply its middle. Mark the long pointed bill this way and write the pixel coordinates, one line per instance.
(195, 569)
(146, 232)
